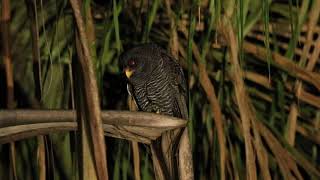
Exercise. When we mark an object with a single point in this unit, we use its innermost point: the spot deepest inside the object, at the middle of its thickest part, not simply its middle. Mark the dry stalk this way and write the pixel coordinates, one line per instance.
(32, 12)
(283, 157)
(7, 59)
(280, 44)
(135, 146)
(284, 64)
(173, 42)
(293, 114)
(242, 99)
(214, 103)
(92, 99)
(304, 96)
(185, 160)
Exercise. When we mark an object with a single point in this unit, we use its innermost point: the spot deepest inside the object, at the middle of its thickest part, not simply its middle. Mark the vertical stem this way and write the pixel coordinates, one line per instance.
(136, 160)
(41, 157)
(245, 107)
(5, 29)
(94, 123)
(5, 32)
(135, 146)
(173, 42)
(86, 159)
(32, 13)
(90, 31)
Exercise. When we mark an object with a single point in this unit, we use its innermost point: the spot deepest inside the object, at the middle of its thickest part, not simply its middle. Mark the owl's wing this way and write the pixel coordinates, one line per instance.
(179, 86)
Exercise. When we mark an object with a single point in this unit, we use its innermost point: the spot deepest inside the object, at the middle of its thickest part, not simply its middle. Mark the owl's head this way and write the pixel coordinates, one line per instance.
(140, 61)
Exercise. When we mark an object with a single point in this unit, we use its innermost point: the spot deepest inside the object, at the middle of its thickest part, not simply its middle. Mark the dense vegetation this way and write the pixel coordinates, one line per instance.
(253, 74)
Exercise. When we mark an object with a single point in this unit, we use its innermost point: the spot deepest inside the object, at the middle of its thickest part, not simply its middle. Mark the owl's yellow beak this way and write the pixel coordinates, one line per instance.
(128, 72)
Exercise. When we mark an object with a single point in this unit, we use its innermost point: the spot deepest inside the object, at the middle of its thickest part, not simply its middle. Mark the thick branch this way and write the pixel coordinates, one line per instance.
(139, 126)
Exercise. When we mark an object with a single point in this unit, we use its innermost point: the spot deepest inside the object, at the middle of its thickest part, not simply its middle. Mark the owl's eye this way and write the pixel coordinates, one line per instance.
(132, 62)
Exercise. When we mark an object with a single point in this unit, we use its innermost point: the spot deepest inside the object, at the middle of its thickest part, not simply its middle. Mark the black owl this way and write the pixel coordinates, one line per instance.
(157, 84)
(155, 80)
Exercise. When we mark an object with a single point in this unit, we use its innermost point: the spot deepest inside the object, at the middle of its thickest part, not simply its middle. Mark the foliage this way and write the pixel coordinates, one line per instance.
(278, 43)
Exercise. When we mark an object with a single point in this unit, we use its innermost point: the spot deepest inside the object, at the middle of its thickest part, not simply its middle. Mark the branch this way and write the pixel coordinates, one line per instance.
(139, 126)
